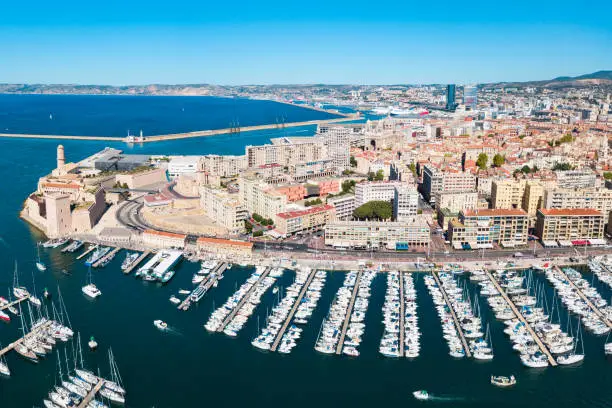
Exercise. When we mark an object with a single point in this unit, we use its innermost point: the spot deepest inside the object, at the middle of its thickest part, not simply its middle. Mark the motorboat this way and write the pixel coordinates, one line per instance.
(501, 381)
(175, 300)
(421, 395)
(4, 317)
(160, 324)
(93, 344)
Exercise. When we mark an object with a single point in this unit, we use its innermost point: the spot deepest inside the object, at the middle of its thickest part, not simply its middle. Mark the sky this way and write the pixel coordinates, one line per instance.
(133, 42)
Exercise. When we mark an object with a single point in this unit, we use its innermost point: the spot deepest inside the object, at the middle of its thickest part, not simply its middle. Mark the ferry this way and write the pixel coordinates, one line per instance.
(159, 265)
(97, 255)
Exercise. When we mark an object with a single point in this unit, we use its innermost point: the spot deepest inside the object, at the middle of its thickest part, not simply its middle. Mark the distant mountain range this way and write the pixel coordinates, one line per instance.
(596, 78)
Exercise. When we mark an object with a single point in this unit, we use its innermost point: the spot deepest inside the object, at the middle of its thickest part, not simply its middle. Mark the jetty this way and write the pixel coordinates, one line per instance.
(137, 262)
(186, 135)
(203, 287)
(91, 394)
(594, 308)
(519, 315)
(105, 257)
(349, 312)
(14, 302)
(87, 251)
(289, 318)
(402, 317)
(244, 299)
(32, 333)
(466, 348)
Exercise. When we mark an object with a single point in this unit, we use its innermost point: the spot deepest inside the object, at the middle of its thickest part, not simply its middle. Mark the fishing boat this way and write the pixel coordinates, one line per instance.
(501, 381)
(421, 395)
(160, 324)
(93, 344)
(39, 264)
(90, 289)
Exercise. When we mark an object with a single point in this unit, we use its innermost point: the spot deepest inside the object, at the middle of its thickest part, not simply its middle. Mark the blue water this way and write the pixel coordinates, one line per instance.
(193, 368)
(112, 115)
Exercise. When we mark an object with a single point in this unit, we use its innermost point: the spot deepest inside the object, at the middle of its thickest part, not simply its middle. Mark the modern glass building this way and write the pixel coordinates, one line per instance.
(470, 96)
(450, 97)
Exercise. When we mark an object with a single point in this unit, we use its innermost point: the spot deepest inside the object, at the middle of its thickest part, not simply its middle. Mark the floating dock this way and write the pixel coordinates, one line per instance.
(87, 251)
(105, 257)
(349, 312)
(14, 302)
(298, 300)
(244, 299)
(27, 336)
(137, 262)
(466, 348)
(162, 261)
(519, 315)
(402, 318)
(594, 308)
(204, 286)
(91, 394)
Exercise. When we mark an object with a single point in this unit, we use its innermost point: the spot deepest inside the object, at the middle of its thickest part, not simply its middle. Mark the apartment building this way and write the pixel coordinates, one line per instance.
(435, 180)
(599, 199)
(405, 202)
(184, 165)
(564, 224)
(344, 205)
(224, 166)
(584, 178)
(223, 247)
(377, 234)
(310, 219)
(161, 239)
(483, 228)
(287, 152)
(456, 201)
(224, 209)
(337, 139)
(525, 194)
(375, 191)
(260, 198)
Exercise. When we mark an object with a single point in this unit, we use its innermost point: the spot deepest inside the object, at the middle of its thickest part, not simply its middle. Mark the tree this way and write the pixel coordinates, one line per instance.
(412, 168)
(374, 210)
(498, 160)
(371, 176)
(380, 175)
(481, 162)
(310, 203)
(348, 185)
(525, 169)
(562, 166)
(608, 175)
(353, 161)
(258, 233)
(248, 226)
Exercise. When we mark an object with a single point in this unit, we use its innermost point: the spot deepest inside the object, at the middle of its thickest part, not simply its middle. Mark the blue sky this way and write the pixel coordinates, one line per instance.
(236, 42)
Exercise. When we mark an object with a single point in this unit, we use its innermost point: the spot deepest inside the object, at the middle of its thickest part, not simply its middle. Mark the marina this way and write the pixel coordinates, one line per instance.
(106, 258)
(348, 313)
(130, 267)
(90, 248)
(200, 291)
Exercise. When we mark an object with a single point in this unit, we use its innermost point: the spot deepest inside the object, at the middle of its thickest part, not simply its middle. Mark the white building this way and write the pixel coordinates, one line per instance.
(224, 209)
(378, 234)
(576, 178)
(184, 165)
(338, 141)
(405, 202)
(344, 205)
(375, 191)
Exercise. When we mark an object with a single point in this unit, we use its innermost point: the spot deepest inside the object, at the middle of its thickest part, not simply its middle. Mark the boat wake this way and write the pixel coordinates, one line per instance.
(173, 331)
(444, 398)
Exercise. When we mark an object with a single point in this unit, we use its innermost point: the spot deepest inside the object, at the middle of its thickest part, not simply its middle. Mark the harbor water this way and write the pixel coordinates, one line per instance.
(189, 367)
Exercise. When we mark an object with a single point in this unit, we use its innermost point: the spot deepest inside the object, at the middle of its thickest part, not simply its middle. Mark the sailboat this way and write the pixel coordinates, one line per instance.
(18, 291)
(33, 299)
(39, 264)
(90, 289)
(574, 358)
(4, 370)
(113, 389)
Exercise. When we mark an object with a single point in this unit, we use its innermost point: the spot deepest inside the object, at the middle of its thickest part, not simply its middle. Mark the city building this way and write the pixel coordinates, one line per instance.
(375, 191)
(405, 202)
(260, 198)
(224, 209)
(344, 205)
(184, 165)
(451, 103)
(223, 166)
(574, 225)
(224, 247)
(308, 220)
(456, 201)
(162, 239)
(287, 152)
(483, 228)
(378, 234)
(470, 96)
(337, 139)
(435, 180)
(583, 178)
(599, 199)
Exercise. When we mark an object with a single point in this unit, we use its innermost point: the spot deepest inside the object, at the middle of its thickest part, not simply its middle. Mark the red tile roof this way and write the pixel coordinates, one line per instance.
(569, 211)
(493, 212)
(311, 210)
(221, 241)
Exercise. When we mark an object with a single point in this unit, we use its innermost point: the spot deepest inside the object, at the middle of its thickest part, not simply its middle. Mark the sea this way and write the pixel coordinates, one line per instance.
(189, 367)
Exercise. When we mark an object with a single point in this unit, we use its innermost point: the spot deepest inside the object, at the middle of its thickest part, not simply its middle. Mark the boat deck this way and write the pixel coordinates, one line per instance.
(402, 317)
(22, 339)
(349, 312)
(91, 394)
(243, 300)
(466, 348)
(298, 300)
(594, 308)
(137, 262)
(14, 302)
(205, 285)
(105, 257)
(519, 315)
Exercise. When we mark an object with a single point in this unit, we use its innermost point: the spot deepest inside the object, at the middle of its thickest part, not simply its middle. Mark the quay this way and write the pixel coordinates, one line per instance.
(91, 394)
(519, 315)
(24, 338)
(176, 136)
(137, 262)
(466, 348)
(594, 308)
(244, 299)
(289, 318)
(14, 302)
(87, 251)
(204, 286)
(402, 316)
(349, 312)
(105, 257)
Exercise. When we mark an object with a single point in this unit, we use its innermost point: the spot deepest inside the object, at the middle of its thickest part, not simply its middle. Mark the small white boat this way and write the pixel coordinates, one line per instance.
(175, 300)
(91, 290)
(160, 324)
(93, 344)
(184, 292)
(502, 381)
(41, 266)
(421, 395)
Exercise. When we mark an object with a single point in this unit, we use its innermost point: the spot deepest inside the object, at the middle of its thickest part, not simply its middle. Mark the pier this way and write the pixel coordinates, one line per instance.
(86, 252)
(243, 300)
(204, 286)
(186, 135)
(349, 312)
(24, 338)
(298, 300)
(105, 257)
(594, 308)
(519, 315)
(466, 348)
(14, 302)
(91, 394)
(402, 317)
(137, 262)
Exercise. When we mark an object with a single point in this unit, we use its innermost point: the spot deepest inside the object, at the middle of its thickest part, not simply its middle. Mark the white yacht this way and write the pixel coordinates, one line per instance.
(91, 290)
(160, 324)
